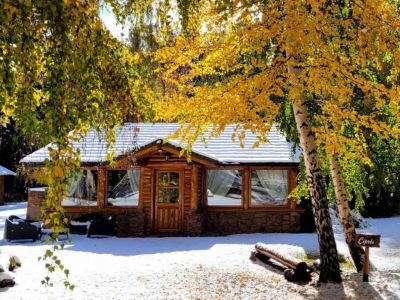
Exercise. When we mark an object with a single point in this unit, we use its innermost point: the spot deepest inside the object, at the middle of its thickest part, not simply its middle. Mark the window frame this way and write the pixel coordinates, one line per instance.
(246, 188)
(242, 203)
(287, 205)
(67, 207)
(159, 187)
(106, 206)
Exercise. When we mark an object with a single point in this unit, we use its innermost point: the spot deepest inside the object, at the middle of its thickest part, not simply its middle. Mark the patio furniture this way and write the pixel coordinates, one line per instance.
(81, 224)
(17, 228)
(93, 224)
(103, 226)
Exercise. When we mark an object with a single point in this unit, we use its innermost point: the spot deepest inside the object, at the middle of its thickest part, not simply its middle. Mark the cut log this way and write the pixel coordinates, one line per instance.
(298, 270)
(286, 260)
(256, 255)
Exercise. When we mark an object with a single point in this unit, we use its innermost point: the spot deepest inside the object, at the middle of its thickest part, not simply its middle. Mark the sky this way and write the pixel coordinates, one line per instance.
(117, 30)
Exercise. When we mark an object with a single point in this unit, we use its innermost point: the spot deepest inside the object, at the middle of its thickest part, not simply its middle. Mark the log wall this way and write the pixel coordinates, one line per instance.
(196, 218)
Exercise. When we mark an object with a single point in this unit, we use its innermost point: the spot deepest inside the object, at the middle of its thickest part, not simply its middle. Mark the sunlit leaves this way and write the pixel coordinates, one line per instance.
(232, 66)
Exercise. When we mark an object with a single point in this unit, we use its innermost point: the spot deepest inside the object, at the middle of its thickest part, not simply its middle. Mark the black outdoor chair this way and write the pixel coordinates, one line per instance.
(80, 224)
(93, 224)
(102, 226)
(17, 228)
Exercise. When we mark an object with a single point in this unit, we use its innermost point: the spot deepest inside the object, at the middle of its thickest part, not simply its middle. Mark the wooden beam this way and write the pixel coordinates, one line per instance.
(141, 188)
(194, 187)
(194, 157)
(246, 194)
(101, 188)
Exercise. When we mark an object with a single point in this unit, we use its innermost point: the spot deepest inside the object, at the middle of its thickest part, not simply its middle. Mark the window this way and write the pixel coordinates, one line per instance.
(269, 187)
(224, 188)
(82, 189)
(168, 187)
(123, 187)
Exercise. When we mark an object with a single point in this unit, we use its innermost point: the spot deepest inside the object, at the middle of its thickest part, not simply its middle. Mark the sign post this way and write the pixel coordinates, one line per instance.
(367, 240)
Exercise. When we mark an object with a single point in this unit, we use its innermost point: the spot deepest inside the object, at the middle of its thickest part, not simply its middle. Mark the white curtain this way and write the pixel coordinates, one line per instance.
(133, 176)
(83, 186)
(275, 185)
(74, 187)
(90, 185)
(219, 182)
(82, 189)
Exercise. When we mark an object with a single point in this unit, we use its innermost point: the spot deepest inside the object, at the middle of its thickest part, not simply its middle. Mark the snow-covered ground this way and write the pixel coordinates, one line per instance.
(193, 267)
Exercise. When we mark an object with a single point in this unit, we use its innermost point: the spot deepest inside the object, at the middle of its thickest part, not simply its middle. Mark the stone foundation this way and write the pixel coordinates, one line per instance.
(130, 223)
(194, 224)
(233, 222)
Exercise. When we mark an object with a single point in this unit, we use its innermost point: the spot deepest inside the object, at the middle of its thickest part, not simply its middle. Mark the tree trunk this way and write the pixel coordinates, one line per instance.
(329, 268)
(357, 253)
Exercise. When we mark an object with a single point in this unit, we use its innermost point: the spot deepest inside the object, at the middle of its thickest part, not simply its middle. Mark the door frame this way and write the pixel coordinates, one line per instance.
(181, 206)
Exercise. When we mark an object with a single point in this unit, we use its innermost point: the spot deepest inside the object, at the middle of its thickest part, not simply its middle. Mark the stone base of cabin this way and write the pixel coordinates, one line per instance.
(130, 224)
(234, 222)
(194, 224)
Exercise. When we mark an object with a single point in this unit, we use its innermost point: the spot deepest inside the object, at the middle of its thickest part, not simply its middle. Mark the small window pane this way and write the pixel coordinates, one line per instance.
(82, 189)
(163, 195)
(173, 196)
(163, 179)
(269, 187)
(123, 187)
(224, 187)
(168, 195)
(174, 179)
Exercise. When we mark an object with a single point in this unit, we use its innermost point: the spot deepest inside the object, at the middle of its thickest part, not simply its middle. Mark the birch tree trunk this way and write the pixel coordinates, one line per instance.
(330, 270)
(357, 253)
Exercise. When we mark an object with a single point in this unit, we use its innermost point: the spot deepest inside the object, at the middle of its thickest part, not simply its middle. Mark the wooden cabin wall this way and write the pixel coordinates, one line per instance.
(196, 217)
(146, 197)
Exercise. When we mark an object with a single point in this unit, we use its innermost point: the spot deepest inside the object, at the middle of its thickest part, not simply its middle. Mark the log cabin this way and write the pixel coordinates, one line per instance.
(152, 190)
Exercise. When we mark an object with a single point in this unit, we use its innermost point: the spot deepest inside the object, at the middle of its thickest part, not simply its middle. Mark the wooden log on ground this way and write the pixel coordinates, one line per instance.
(297, 270)
(256, 255)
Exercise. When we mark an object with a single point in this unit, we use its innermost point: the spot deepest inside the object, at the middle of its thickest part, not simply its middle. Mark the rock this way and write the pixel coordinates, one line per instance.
(6, 280)
(14, 262)
(1, 268)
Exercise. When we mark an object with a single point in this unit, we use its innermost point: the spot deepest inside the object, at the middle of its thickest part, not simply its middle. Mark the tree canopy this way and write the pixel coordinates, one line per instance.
(239, 62)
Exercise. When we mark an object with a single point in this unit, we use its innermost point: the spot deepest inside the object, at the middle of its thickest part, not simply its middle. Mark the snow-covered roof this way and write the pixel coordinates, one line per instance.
(220, 150)
(4, 171)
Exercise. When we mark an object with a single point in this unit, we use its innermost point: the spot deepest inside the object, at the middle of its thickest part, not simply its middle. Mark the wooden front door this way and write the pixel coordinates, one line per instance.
(168, 199)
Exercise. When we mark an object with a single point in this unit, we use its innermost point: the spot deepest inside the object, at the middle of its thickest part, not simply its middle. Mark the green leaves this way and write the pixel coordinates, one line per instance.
(61, 72)
(53, 263)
